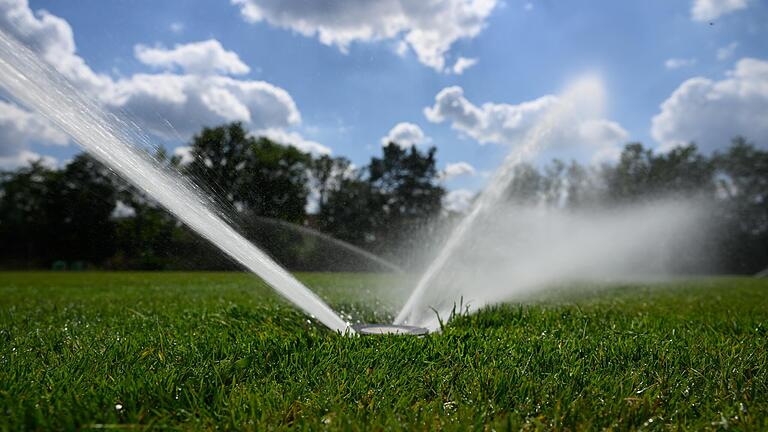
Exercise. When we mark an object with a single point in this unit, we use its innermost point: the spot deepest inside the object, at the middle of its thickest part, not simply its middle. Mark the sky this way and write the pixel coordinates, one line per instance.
(470, 77)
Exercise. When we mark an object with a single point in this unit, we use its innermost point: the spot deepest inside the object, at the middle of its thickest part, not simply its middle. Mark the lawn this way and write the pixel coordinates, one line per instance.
(219, 351)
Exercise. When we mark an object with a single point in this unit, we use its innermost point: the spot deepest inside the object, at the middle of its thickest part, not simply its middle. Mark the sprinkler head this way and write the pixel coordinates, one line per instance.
(388, 329)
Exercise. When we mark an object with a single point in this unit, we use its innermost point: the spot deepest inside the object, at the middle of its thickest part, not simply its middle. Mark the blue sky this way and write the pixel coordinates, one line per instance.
(352, 77)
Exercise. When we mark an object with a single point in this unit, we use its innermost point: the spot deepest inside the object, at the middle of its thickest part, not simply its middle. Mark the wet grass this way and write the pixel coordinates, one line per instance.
(218, 351)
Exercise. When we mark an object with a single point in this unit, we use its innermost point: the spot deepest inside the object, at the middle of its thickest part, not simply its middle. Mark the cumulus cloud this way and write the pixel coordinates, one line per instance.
(509, 124)
(459, 200)
(52, 38)
(405, 134)
(184, 153)
(20, 128)
(458, 169)
(26, 157)
(677, 63)
(176, 27)
(294, 139)
(192, 90)
(463, 64)
(710, 112)
(489, 123)
(122, 210)
(726, 52)
(706, 10)
(189, 102)
(205, 58)
(428, 27)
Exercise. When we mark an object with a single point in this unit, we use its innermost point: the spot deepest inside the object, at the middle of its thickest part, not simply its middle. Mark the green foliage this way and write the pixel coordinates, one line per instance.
(742, 175)
(391, 206)
(22, 214)
(58, 214)
(348, 212)
(219, 351)
(642, 174)
(253, 175)
(527, 187)
(389, 209)
(326, 175)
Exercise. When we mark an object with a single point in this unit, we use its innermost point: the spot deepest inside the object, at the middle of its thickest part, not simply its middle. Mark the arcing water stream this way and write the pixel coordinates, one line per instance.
(490, 196)
(39, 87)
(507, 251)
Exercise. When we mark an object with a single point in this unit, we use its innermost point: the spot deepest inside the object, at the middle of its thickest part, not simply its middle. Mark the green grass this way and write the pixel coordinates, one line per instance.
(219, 351)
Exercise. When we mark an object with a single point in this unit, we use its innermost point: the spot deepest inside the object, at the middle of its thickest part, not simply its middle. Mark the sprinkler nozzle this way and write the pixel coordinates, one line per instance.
(388, 329)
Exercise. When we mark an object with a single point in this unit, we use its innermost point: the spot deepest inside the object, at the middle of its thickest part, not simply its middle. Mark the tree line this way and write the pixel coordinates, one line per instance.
(81, 215)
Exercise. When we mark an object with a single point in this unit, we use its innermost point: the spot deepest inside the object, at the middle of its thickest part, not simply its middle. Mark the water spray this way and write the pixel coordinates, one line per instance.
(39, 87)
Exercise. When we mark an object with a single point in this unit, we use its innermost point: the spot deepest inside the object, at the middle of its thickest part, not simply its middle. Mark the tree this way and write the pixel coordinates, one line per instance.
(584, 187)
(348, 212)
(23, 215)
(526, 186)
(250, 175)
(50, 215)
(384, 206)
(326, 175)
(640, 174)
(81, 203)
(407, 180)
(276, 181)
(742, 174)
(219, 157)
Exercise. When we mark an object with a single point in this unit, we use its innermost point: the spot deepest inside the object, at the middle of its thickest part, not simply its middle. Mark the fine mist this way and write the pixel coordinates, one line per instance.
(502, 252)
(581, 102)
(517, 252)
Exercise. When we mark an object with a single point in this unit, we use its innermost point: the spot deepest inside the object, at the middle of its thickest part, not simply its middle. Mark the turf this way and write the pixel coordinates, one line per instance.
(218, 351)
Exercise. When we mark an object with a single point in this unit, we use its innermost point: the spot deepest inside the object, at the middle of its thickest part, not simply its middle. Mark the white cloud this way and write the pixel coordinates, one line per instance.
(710, 112)
(203, 58)
(405, 134)
(52, 38)
(458, 169)
(604, 137)
(20, 128)
(122, 210)
(462, 64)
(171, 104)
(184, 153)
(176, 27)
(401, 48)
(189, 102)
(429, 27)
(677, 63)
(727, 51)
(509, 124)
(706, 10)
(528, 6)
(26, 157)
(459, 200)
(293, 139)
(489, 123)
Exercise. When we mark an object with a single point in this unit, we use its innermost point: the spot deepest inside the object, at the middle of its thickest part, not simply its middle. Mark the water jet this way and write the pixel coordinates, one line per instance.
(35, 84)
